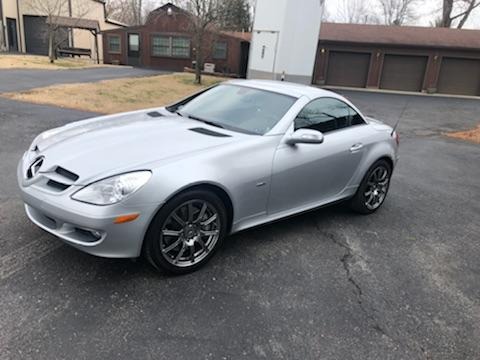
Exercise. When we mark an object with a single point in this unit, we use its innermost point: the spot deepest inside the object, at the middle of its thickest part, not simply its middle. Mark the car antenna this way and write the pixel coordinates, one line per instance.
(399, 118)
(395, 126)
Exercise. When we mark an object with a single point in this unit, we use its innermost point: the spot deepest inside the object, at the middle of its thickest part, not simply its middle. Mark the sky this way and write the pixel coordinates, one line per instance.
(426, 10)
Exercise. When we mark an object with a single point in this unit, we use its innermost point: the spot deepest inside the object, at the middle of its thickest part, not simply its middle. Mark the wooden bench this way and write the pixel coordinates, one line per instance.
(70, 51)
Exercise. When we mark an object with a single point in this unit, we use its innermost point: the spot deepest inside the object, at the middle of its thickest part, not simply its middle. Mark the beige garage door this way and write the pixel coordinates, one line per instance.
(348, 68)
(459, 76)
(403, 72)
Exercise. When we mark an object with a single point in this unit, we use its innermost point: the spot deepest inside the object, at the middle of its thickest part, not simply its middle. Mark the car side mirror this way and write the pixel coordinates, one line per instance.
(305, 136)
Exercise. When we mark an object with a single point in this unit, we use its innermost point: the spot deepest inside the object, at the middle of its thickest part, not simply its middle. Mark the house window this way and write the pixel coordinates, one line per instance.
(114, 44)
(161, 46)
(220, 50)
(170, 46)
(180, 47)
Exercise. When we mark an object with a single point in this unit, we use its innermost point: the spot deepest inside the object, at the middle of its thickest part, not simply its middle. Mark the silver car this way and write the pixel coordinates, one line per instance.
(170, 183)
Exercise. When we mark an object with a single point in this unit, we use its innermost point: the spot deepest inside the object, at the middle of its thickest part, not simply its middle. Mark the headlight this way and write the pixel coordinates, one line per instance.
(113, 189)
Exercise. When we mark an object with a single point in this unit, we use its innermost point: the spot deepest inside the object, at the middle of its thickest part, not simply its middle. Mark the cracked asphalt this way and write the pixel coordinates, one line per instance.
(400, 284)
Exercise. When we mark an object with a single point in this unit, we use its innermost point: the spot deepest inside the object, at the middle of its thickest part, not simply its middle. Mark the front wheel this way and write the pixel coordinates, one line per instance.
(374, 188)
(186, 232)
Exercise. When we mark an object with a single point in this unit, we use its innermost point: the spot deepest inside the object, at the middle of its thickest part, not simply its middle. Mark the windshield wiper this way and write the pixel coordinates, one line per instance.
(205, 121)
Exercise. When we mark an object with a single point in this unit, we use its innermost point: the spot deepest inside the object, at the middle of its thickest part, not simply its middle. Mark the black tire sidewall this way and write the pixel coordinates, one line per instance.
(358, 201)
(152, 249)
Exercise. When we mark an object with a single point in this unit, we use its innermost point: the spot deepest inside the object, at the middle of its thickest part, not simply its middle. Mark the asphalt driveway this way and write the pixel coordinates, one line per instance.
(24, 79)
(400, 284)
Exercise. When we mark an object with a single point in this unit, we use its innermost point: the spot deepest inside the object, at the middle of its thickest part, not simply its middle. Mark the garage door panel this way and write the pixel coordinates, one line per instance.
(459, 76)
(348, 68)
(403, 72)
(36, 35)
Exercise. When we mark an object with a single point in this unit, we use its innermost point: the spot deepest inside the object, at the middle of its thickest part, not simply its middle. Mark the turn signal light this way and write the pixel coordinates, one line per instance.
(125, 218)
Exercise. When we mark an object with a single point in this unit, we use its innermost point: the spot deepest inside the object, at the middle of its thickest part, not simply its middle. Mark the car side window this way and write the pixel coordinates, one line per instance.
(327, 114)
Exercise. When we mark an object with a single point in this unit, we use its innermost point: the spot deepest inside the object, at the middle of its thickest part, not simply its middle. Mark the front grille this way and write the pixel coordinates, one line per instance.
(34, 168)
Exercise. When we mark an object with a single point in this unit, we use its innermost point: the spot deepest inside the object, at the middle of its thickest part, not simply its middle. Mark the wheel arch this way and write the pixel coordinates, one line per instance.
(386, 158)
(215, 188)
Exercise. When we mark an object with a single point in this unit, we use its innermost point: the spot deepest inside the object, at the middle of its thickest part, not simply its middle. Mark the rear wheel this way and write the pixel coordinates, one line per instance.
(186, 232)
(374, 188)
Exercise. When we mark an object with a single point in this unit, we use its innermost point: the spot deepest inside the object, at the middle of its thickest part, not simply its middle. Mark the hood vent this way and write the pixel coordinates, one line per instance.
(208, 132)
(154, 114)
(57, 185)
(65, 173)
(59, 180)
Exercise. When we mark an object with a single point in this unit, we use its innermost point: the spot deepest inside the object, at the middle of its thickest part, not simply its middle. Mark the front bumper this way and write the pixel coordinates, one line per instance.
(87, 227)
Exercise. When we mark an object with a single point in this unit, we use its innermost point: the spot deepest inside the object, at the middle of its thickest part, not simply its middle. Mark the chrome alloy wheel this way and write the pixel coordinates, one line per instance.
(377, 187)
(190, 233)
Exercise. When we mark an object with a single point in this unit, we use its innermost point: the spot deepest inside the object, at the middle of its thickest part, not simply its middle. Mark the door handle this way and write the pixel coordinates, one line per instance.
(356, 147)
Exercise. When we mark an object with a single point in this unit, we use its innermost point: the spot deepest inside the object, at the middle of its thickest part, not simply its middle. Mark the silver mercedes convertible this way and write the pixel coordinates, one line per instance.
(171, 183)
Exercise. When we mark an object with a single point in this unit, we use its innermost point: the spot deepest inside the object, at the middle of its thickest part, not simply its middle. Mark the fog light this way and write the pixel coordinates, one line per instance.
(87, 235)
(96, 234)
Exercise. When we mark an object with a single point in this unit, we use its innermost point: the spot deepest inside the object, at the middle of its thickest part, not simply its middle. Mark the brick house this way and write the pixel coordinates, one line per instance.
(165, 42)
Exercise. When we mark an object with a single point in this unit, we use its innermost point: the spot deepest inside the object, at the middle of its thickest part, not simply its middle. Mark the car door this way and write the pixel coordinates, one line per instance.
(305, 175)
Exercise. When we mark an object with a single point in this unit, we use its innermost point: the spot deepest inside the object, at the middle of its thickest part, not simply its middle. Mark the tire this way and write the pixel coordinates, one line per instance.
(373, 189)
(186, 232)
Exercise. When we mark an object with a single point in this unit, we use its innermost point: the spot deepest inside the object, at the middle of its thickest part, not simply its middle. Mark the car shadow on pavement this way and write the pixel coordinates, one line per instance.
(237, 245)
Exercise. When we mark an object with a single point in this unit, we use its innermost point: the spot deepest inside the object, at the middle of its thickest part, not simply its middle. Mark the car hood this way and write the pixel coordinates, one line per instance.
(110, 145)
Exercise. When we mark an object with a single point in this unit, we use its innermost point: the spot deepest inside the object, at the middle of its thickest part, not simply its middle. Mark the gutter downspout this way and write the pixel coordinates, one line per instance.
(70, 13)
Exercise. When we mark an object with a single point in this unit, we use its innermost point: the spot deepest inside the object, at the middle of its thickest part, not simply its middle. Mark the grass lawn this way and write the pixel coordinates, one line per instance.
(469, 135)
(41, 62)
(113, 96)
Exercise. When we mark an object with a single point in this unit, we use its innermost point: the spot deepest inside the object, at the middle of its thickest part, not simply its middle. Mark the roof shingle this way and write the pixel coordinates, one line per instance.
(401, 35)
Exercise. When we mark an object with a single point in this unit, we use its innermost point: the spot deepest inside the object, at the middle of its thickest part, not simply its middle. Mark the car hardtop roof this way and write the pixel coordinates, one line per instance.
(286, 88)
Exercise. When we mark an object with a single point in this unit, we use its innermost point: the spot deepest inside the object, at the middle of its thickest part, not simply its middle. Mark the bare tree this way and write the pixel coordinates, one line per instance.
(326, 16)
(202, 14)
(398, 12)
(355, 12)
(148, 7)
(131, 12)
(456, 10)
(52, 9)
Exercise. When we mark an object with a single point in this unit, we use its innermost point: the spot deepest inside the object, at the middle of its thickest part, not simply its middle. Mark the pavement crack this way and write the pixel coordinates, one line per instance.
(346, 261)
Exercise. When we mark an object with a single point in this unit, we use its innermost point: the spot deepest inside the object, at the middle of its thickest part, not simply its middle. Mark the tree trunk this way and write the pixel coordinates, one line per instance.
(51, 50)
(447, 14)
(198, 59)
(140, 22)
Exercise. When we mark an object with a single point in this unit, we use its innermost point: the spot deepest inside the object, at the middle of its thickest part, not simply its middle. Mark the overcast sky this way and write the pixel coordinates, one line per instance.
(426, 10)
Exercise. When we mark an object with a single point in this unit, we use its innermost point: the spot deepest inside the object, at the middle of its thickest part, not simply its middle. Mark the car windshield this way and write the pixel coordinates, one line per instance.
(238, 108)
